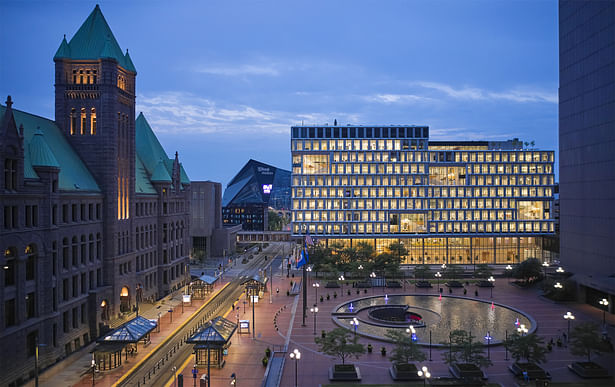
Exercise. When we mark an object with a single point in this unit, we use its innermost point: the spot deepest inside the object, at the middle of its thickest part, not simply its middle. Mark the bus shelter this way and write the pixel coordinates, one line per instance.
(108, 352)
(255, 285)
(202, 286)
(211, 342)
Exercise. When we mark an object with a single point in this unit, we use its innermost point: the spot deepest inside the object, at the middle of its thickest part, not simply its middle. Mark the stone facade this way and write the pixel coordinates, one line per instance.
(82, 236)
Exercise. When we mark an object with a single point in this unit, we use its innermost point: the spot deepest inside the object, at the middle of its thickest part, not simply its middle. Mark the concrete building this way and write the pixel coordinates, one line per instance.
(459, 202)
(95, 214)
(209, 236)
(586, 143)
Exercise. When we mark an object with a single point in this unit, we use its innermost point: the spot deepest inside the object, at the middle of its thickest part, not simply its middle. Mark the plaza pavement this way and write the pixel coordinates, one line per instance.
(278, 326)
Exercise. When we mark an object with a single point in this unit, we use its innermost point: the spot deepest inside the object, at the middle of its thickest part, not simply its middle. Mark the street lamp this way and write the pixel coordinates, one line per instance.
(295, 355)
(233, 379)
(569, 317)
(372, 276)
(438, 276)
(315, 285)
(174, 370)
(93, 366)
(410, 330)
(488, 338)
(314, 310)
(425, 374)
(605, 303)
(522, 330)
(558, 286)
(361, 272)
(492, 282)
(560, 270)
(309, 270)
(354, 322)
(509, 272)
(341, 279)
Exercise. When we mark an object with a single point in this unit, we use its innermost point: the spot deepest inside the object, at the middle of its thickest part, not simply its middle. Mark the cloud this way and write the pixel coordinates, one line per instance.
(171, 112)
(396, 98)
(521, 95)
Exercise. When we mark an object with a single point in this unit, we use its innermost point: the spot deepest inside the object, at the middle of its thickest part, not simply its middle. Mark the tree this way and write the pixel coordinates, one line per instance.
(364, 253)
(405, 350)
(528, 270)
(387, 264)
(398, 250)
(483, 271)
(338, 343)
(422, 272)
(275, 222)
(463, 349)
(585, 340)
(529, 347)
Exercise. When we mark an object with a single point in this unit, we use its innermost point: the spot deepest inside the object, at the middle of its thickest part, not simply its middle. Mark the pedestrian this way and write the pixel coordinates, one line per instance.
(526, 377)
(565, 337)
(476, 293)
(277, 290)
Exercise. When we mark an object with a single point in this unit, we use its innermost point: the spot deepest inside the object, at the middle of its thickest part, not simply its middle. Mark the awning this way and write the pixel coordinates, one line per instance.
(255, 278)
(129, 332)
(209, 280)
(214, 333)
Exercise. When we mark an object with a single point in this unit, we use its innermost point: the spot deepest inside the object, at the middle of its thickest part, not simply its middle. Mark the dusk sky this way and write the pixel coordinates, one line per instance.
(221, 82)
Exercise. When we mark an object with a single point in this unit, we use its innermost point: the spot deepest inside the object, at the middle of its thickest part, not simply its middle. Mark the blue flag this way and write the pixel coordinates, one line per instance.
(304, 256)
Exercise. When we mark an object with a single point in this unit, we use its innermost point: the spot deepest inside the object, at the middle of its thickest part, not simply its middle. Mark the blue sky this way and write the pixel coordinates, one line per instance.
(222, 81)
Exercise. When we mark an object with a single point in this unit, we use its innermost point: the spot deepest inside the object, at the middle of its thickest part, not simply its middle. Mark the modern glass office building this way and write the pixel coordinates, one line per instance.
(454, 202)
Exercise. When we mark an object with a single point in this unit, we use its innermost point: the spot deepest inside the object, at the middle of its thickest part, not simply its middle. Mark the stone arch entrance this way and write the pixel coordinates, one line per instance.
(125, 300)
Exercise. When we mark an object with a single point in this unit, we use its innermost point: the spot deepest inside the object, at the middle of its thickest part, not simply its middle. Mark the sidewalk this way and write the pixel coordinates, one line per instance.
(78, 372)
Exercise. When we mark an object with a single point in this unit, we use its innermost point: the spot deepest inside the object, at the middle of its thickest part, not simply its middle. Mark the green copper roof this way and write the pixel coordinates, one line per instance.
(183, 177)
(160, 174)
(64, 50)
(73, 173)
(40, 154)
(152, 155)
(142, 183)
(94, 40)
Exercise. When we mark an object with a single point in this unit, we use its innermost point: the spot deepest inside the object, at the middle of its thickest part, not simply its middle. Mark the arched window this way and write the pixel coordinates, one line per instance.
(31, 258)
(75, 256)
(93, 120)
(10, 268)
(83, 121)
(91, 247)
(83, 252)
(73, 121)
(65, 253)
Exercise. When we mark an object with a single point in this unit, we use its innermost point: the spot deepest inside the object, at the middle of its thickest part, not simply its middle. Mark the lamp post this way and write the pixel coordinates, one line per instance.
(488, 338)
(438, 276)
(314, 310)
(522, 330)
(361, 272)
(425, 374)
(560, 270)
(174, 370)
(558, 286)
(137, 289)
(295, 355)
(605, 304)
(233, 379)
(341, 279)
(569, 317)
(93, 366)
(545, 264)
(316, 285)
(509, 272)
(492, 282)
(410, 330)
(355, 323)
(372, 276)
(309, 270)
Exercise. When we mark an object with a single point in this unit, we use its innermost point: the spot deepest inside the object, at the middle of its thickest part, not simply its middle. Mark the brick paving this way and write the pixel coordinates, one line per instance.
(274, 320)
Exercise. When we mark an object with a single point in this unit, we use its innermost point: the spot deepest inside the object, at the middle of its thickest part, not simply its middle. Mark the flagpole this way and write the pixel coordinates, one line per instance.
(304, 294)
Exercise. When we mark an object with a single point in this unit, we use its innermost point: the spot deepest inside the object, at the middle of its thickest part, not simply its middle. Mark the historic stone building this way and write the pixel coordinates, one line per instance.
(95, 215)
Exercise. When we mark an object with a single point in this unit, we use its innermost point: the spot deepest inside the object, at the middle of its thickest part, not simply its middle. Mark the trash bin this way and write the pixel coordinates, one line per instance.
(180, 380)
(203, 381)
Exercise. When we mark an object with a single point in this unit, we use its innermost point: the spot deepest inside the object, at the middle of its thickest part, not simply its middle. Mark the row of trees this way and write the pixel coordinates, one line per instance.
(337, 258)
(463, 348)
